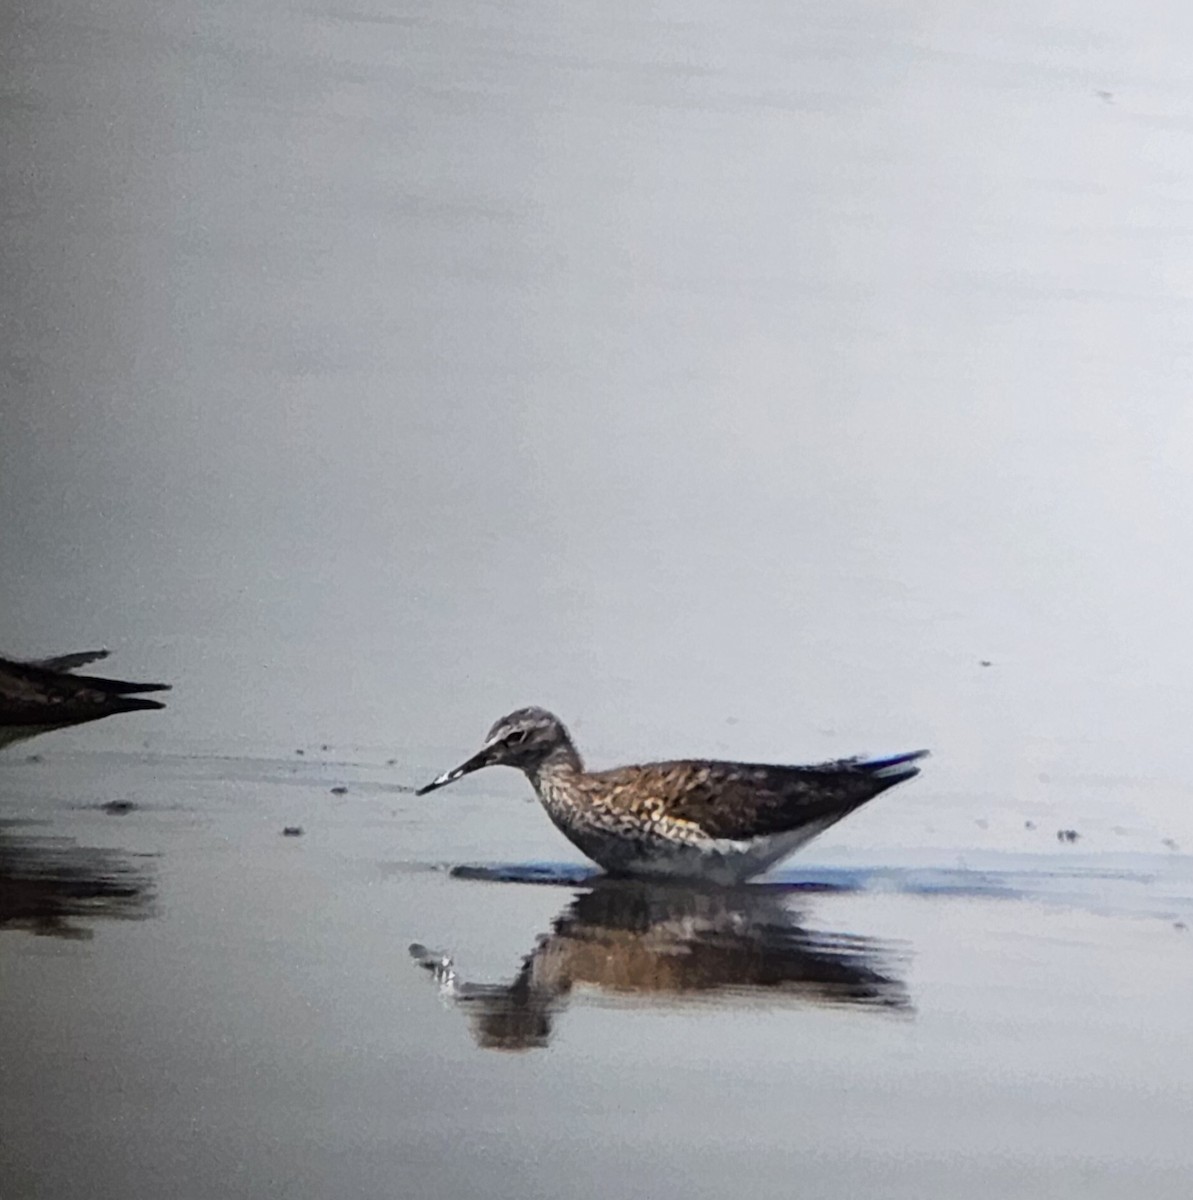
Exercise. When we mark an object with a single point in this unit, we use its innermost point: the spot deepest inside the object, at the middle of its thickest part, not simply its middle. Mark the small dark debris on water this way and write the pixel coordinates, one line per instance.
(339, 790)
(1103, 95)
(118, 808)
(325, 747)
(391, 762)
(1170, 843)
(1067, 835)
(1180, 925)
(300, 751)
(1029, 824)
(292, 831)
(985, 662)
(34, 758)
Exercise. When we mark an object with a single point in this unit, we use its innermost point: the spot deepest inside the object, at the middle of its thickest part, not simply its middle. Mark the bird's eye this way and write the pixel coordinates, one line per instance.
(515, 738)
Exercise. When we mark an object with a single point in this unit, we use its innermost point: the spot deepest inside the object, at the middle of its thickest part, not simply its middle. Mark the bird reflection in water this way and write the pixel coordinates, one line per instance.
(659, 945)
(49, 885)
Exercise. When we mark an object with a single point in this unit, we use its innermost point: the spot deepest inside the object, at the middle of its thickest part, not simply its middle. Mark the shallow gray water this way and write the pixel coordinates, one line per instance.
(238, 1013)
(772, 382)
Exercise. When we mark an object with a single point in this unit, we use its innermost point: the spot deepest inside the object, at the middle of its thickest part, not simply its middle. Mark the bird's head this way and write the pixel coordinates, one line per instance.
(524, 739)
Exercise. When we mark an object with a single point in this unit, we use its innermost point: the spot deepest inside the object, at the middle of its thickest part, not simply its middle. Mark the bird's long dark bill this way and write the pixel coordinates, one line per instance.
(473, 764)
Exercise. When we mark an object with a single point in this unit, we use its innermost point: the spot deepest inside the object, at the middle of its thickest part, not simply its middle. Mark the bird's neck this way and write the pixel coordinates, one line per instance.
(560, 766)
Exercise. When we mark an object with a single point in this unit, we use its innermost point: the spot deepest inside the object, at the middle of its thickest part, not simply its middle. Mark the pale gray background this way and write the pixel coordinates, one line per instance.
(372, 370)
(731, 377)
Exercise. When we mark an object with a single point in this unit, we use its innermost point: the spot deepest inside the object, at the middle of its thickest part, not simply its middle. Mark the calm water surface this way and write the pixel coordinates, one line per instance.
(737, 380)
(195, 1004)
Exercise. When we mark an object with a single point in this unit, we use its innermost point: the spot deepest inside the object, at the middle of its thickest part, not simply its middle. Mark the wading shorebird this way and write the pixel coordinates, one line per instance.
(36, 697)
(724, 822)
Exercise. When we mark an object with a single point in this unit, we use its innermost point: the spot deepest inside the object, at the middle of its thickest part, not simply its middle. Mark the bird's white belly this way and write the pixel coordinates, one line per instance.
(715, 860)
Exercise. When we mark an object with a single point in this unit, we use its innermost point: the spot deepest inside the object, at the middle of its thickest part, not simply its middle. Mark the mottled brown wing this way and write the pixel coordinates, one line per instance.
(740, 800)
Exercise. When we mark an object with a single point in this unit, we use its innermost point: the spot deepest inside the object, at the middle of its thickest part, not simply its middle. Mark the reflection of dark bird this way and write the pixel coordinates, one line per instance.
(48, 884)
(666, 945)
(36, 697)
(719, 821)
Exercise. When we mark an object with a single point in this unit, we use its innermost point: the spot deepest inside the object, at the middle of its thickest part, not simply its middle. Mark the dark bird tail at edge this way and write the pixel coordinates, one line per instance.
(892, 768)
(67, 664)
(124, 704)
(122, 687)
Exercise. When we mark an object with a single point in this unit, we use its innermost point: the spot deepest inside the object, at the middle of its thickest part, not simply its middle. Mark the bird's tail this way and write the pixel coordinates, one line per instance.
(893, 768)
(121, 687)
(122, 703)
(69, 663)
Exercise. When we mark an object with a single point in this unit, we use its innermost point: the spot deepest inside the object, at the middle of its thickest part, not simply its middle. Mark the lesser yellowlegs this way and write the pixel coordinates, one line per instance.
(720, 821)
